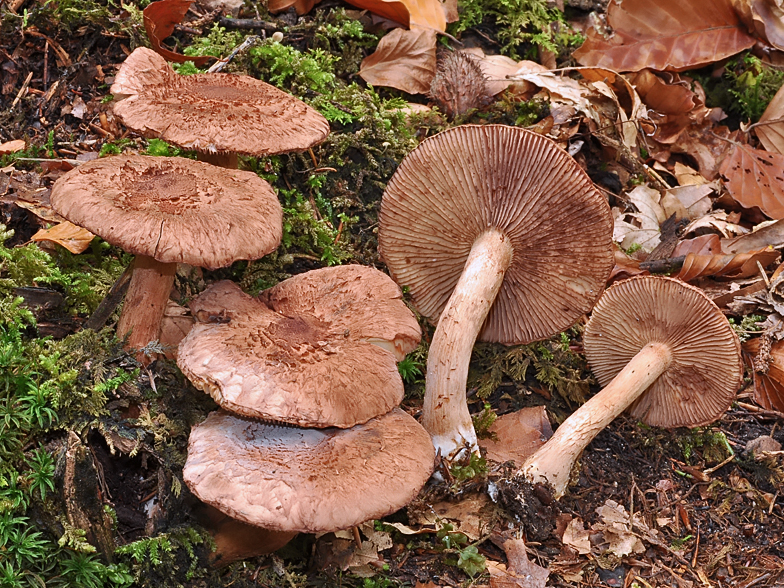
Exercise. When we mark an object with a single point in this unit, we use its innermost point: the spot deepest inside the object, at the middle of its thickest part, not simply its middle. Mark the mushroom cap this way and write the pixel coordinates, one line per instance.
(310, 362)
(213, 112)
(463, 181)
(308, 480)
(706, 368)
(172, 209)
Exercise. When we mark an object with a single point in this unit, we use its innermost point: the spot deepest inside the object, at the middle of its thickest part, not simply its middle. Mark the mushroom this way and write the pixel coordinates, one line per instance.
(664, 352)
(307, 480)
(218, 115)
(317, 350)
(499, 234)
(168, 210)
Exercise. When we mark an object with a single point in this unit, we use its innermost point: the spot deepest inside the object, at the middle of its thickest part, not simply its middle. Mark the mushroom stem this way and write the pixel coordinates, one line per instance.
(553, 461)
(145, 302)
(445, 413)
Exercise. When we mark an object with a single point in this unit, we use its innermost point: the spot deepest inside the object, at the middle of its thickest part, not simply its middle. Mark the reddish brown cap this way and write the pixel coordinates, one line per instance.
(354, 299)
(214, 112)
(172, 209)
(463, 181)
(312, 361)
(706, 368)
(308, 480)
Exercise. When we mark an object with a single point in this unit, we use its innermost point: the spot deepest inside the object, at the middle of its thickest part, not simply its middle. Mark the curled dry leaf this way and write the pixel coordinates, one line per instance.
(768, 369)
(424, 13)
(640, 227)
(770, 129)
(159, 20)
(404, 59)
(301, 6)
(672, 35)
(74, 239)
(741, 265)
(770, 235)
(498, 70)
(661, 96)
(765, 18)
(755, 178)
(12, 146)
(517, 435)
(520, 571)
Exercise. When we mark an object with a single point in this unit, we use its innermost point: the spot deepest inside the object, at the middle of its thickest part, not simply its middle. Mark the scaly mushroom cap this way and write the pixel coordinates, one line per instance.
(308, 480)
(313, 362)
(213, 112)
(463, 181)
(706, 368)
(172, 209)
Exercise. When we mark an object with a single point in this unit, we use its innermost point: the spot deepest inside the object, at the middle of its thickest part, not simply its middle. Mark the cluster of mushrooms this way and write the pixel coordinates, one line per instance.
(499, 236)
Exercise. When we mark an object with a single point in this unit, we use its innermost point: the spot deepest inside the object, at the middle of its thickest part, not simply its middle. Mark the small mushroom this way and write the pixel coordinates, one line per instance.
(218, 115)
(664, 352)
(307, 480)
(168, 210)
(317, 350)
(499, 234)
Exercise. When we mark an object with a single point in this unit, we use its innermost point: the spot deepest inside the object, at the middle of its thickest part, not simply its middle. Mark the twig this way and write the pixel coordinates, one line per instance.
(218, 65)
(22, 90)
(112, 300)
(248, 23)
(663, 266)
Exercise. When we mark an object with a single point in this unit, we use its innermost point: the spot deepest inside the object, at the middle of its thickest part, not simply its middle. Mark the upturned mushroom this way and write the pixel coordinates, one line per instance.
(317, 350)
(664, 352)
(308, 480)
(499, 235)
(168, 210)
(218, 115)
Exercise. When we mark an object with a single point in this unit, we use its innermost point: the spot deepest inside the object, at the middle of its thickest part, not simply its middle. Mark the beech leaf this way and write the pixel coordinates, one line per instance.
(770, 129)
(673, 35)
(404, 59)
(74, 239)
(159, 20)
(741, 265)
(517, 435)
(768, 386)
(755, 178)
(425, 13)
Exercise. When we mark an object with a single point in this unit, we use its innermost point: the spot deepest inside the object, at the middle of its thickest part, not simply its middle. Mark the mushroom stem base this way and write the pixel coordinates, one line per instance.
(145, 302)
(553, 462)
(445, 413)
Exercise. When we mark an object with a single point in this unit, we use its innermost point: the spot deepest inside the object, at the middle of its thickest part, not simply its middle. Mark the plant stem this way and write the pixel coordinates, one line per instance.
(445, 412)
(553, 461)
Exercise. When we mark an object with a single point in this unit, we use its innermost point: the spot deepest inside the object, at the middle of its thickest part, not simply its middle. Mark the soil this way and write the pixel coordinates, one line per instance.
(705, 516)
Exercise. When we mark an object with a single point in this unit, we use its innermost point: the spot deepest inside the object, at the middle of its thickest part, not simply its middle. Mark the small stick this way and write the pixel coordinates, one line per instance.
(46, 64)
(247, 23)
(22, 90)
(357, 538)
(107, 306)
(218, 65)
(663, 266)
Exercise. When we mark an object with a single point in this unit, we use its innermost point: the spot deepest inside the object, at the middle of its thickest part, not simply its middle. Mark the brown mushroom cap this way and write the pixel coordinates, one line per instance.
(214, 112)
(706, 368)
(462, 182)
(308, 480)
(172, 209)
(309, 362)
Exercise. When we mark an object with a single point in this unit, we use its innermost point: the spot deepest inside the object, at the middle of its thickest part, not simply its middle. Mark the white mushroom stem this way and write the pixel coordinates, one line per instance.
(553, 461)
(145, 302)
(445, 412)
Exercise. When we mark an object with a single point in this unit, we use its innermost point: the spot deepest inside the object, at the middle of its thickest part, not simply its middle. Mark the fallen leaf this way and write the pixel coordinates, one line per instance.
(12, 146)
(430, 14)
(616, 526)
(577, 537)
(766, 18)
(755, 178)
(742, 265)
(517, 435)
(159, 20)
(770, 128)
(176, 323)
(473, 515)
(74, 239)
(661, 96)
(673, 35)
(625, 267)
(717, 220)
(300, 6)
(769, 380)
(689, 202)
(499, 69)
(404, 59)
(520, 572)
(645, 229)
(770, 235)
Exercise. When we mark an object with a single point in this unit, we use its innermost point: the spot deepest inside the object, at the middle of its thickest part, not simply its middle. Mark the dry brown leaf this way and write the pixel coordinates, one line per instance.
(717, 220)
(741, 265)
(577, 536)
(520, 571)
(755, 178)
(404, 59)
(765, 18)
(472, 515)
(672, 35)
(616, 526)
(770, 129)
(517, 435)
(770, 235)
(640, 227)
(12, 146)
(176, 323)
(769, 382)
(663, 97)
(74, 239)
(429, 14)
(498, 70)
(625, 267)
(159, 20)
(301, 6)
